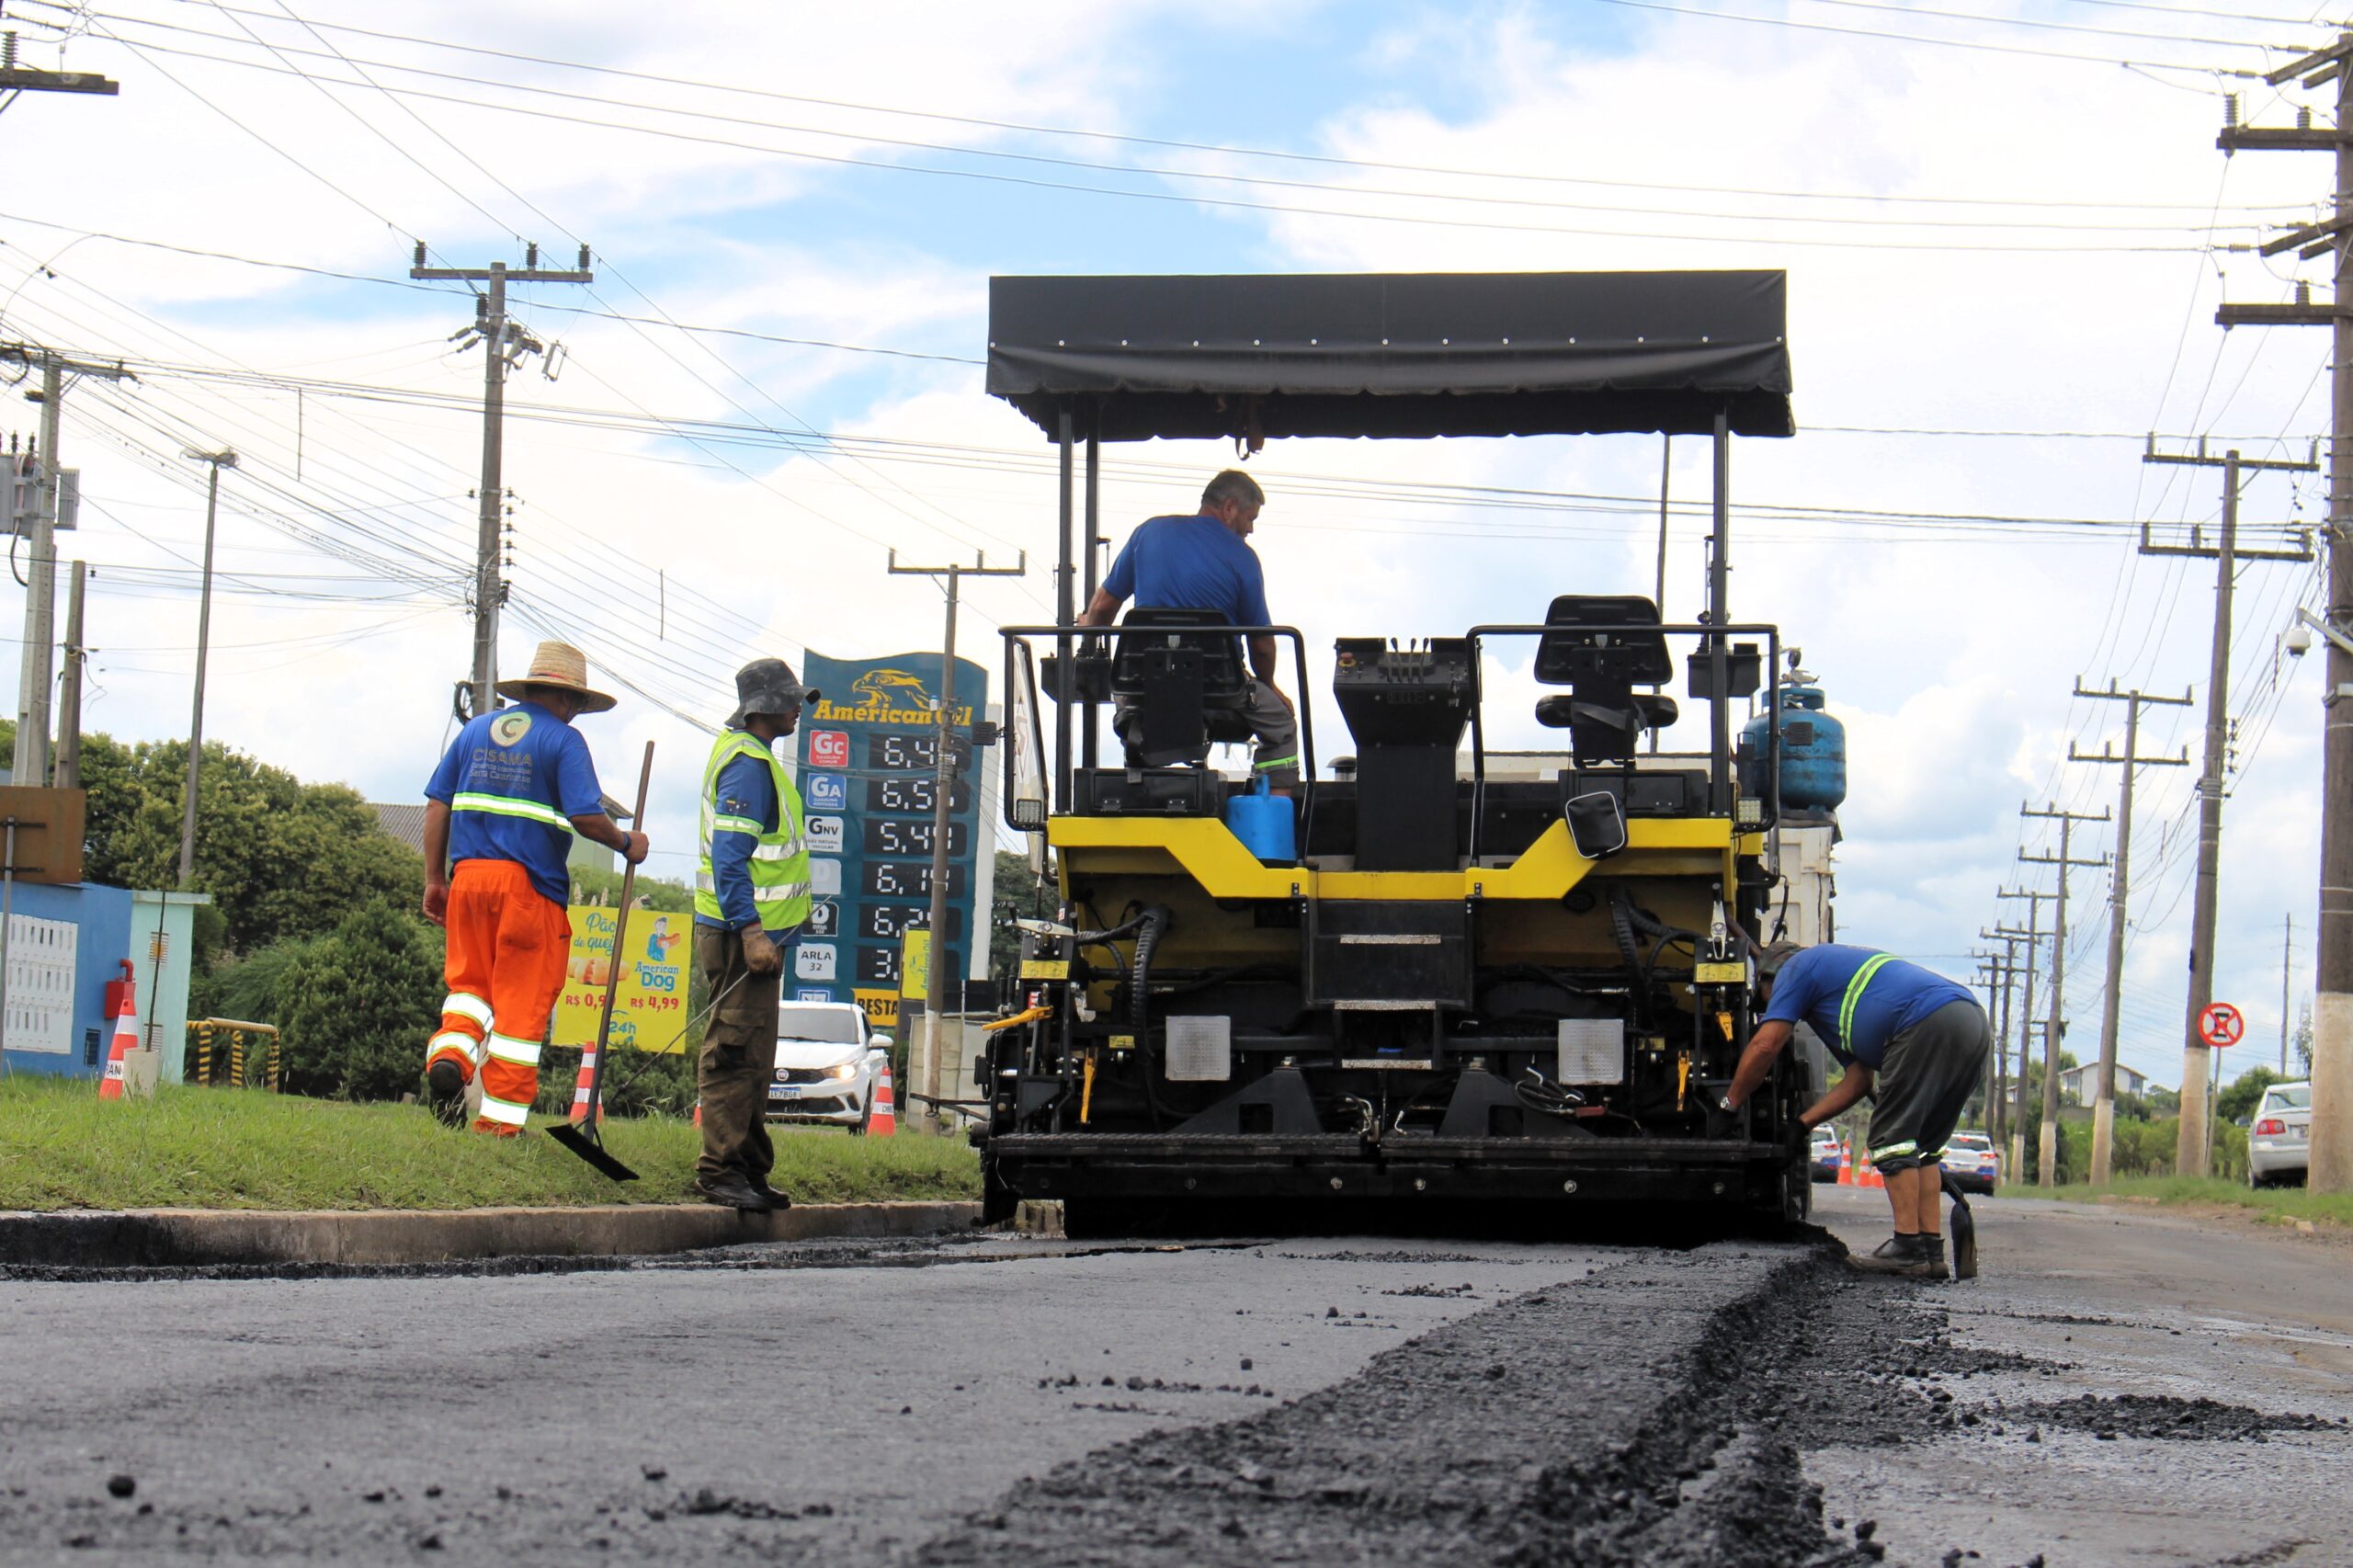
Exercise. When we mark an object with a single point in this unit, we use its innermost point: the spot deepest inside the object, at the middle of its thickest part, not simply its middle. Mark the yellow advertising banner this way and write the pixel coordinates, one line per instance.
(650, 1009)
(914, 963)
(882, 1008)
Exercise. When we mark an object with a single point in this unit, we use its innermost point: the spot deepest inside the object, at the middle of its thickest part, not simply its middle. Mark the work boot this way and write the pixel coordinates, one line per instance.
(760, 1185)
(734, 1191)
(1905, 1257)
(445, 1092)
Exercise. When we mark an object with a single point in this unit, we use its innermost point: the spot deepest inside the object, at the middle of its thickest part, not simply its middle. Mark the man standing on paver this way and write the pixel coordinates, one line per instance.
(1204, 562)
(1921, 1038)
(509, 794)
(751, 900)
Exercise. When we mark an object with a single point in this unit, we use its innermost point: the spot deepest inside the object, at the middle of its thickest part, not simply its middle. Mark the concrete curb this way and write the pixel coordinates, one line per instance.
(188, 1238)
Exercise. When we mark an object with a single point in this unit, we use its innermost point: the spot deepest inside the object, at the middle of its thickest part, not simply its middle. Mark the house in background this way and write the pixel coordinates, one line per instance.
(2081, 1085)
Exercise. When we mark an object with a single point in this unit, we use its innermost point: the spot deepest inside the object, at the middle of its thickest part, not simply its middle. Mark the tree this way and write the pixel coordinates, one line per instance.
(281, 857)
(355, 1007)
(2238, 1102)
(2303, 1039)
(1020, 895)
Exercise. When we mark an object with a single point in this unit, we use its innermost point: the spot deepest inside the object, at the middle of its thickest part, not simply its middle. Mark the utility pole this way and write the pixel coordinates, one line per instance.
(2287, 957)
(58, 373)
(943, 791)
(2000, 1128)
(2331, 1165)
(2190, 1149)
(218, 461)
(1994, 970)
(16, 78)
(69, 698)
(2118, 890)
(2046, 1148)
(2032, 936)
(505, 342)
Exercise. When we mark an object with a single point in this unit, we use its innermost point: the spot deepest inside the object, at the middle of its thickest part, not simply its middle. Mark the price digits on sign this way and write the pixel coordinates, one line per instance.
(903, 879)
(915, 794)
(888, 922)
(903, 751)
(887, 836)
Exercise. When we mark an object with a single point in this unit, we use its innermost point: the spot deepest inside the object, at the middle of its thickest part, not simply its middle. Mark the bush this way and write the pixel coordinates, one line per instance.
(354, 1008)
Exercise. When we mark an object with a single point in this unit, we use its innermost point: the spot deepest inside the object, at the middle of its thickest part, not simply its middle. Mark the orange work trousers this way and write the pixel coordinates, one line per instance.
(507, 948)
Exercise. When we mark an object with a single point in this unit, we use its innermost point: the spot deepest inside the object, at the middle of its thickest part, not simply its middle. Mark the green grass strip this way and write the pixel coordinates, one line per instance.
(2279, 1204)
(62, 1147)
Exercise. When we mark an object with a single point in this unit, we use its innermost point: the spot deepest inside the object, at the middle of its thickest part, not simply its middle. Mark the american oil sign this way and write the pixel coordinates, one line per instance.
(869, 780)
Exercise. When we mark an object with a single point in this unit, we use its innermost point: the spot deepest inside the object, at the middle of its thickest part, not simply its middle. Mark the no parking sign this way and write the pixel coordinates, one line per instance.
(2221, 1025)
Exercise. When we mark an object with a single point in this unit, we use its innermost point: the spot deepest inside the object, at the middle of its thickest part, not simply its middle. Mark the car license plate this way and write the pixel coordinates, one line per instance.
(784, 1091)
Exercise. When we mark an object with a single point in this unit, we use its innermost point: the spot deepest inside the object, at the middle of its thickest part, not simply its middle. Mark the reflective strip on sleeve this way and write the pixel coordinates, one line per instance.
(506, 1048)
(1846, 1004)
(1275, 762)
(467, 1007)
(751, 828)
(508, 806)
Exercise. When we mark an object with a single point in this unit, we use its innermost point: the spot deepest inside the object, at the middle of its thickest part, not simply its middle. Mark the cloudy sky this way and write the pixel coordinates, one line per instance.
(2005, 228)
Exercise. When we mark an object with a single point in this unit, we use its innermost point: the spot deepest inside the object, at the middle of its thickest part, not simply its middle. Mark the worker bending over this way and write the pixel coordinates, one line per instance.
(1204, 562)
(1920, 1037)
(751, 900)
(509, 794)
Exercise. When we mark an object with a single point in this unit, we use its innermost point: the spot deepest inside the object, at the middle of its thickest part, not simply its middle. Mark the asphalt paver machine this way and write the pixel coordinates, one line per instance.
(1514, 979)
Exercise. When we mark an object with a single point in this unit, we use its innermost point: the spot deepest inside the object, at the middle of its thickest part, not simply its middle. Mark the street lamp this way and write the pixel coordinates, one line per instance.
(218, 461)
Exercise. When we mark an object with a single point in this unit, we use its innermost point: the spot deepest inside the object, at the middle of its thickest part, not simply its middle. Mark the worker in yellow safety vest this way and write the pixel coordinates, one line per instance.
(751, 900)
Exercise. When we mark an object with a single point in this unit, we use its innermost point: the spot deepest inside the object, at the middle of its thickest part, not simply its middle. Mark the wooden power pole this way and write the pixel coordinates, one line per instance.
(2118, 890)
(505, 342)
(2046, 1148)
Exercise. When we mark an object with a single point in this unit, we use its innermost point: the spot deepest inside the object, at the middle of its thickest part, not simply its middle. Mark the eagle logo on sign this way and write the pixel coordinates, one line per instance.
(881, 688)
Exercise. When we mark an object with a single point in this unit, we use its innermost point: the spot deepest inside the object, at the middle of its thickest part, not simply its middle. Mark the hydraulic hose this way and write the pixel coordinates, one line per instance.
(1151, 924)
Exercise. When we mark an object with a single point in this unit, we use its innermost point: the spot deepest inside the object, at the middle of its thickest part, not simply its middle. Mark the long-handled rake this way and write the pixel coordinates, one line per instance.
(586, 1138)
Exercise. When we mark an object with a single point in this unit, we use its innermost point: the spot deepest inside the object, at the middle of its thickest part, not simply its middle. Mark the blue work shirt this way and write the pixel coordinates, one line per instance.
(745, 789)
(1812, 987)
(1193, 563)
(512, 779)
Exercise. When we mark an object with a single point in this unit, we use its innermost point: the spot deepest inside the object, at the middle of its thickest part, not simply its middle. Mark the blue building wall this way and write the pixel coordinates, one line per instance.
(104, 916)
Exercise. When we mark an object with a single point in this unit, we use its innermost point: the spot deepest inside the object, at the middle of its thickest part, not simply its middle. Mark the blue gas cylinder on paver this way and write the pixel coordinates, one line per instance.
(1265, 823)
(1814, 749)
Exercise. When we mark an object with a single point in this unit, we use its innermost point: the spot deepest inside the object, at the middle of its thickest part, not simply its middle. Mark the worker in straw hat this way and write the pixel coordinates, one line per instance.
(751, 900)
(509, 794)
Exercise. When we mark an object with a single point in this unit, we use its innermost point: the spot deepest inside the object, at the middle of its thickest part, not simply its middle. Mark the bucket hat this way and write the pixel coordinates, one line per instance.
(767, 685)
(562, 665)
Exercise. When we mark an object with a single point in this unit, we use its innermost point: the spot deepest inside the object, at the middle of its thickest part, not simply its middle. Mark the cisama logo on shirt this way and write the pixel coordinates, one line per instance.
(510, 727)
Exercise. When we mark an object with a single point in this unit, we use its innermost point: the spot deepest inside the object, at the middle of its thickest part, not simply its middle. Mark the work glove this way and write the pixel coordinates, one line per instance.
(1723, 1122)
(760, 955)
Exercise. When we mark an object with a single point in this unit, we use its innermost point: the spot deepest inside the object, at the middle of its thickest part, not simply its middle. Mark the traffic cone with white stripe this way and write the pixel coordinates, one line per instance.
(580, 1109)
(882, 1119)
(126, 1040)
(1846, 1164)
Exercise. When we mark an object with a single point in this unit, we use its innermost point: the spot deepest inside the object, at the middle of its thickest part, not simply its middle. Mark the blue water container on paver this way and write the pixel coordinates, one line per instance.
(1265, 823)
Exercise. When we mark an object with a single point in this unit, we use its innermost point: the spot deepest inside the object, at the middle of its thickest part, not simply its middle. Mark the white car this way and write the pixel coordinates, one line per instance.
(827, 1065)
(2279, 1141)
(1974, 1165)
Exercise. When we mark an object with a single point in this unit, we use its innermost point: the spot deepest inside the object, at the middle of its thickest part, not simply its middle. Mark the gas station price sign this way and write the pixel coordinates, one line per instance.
(868, 758)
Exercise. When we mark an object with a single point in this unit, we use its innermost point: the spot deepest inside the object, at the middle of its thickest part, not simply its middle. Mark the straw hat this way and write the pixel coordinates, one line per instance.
(562, 665)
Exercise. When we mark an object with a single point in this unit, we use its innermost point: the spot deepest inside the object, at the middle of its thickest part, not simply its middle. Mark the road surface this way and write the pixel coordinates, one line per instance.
(1361, 1400)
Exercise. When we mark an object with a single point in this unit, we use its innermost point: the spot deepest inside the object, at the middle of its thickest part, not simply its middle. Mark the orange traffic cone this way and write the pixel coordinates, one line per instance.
(1867, 1175)
(882, 1120)
(126, 1040)
(580, 1112)
(1846, 1164)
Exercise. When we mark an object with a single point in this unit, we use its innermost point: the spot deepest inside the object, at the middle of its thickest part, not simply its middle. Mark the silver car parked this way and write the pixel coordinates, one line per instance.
(2279, 1141)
